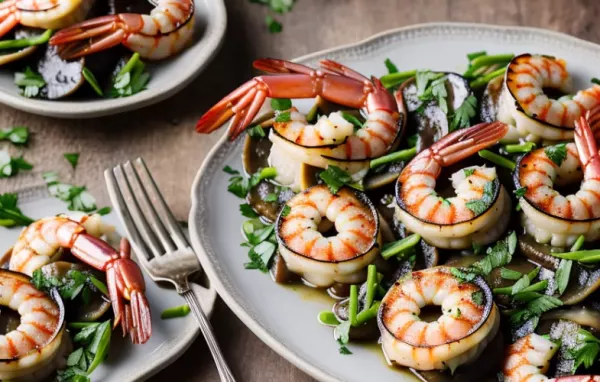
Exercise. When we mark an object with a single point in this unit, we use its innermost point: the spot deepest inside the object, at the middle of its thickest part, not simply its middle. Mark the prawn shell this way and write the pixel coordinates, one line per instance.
(322, 273)
(490, 311)
(10, 368)
(507, 78)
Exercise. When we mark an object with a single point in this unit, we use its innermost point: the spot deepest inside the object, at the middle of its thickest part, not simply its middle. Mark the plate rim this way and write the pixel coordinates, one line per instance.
(206, 296)
(212, 41)
(351, 49)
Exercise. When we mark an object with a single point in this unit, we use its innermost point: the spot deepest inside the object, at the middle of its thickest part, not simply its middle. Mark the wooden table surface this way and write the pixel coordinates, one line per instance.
(164, 134)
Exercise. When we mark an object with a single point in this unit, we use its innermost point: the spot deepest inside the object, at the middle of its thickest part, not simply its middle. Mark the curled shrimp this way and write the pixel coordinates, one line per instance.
(469, 320)
(322, 260)
(42, 239)
(37, 340)
(535, 115)
(332, 139)
(163, 33)
(45, 14)
(448, 222)
(548, 215)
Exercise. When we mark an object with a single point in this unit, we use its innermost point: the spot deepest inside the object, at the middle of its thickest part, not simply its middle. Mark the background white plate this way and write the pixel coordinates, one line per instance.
(284, 319)
(170, 338)
(167, 76)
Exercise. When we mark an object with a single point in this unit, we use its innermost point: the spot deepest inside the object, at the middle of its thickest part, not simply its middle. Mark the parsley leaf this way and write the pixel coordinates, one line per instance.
(285, 211)
(132, 78)
(468, 172)
(391, 67)
(271, 198)
(286, 116)
(94, 339)
(335, 178)
(247, 211)
(281, 104)
(77, 197)
(585, 351)
(562, 275)
(344, 350)
(479, 206)
(557, 153)
(230, 170)
(10, 166)
(438, 90)
(462, 116)
(240, 185)
(10, 214)
(520, 192)
(73, 284)
(73, 158)
(19, 135)
(477, 297)
(534, 309)
(273, 25)
(422, 79)
(262, 242)
(256, 132)
(104, 211)
(29, 82)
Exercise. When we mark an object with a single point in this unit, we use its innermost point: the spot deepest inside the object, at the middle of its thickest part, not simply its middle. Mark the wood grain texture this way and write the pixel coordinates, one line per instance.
(164, 134)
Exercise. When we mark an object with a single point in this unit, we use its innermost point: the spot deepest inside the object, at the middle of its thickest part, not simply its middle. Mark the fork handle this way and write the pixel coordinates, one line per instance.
(207, 330)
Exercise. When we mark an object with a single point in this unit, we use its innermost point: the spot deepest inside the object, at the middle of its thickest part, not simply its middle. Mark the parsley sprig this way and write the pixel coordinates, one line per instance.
(479, 206)
(261, 240)
(498, 255)
(74, 284)
(557, 153)
(10, 166)
(585, 351)
(464, 113)
(131, 79)
(335, 178)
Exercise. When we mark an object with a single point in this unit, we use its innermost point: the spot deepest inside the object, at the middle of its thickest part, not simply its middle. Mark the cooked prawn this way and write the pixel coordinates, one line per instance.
(528, 359)
(42, 239)
(549, 216)
(332, 140)
(37, 339)
(163, 33)
(459, 335)
(323, 260)
(449, 223)
(45, 14)
(535, 115)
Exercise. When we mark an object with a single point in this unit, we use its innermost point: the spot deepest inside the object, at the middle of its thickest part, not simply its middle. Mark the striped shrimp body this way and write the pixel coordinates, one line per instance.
(37, 339)
(323, 260)
(469, 320)
(161, 34)
(45, 14)
(39, 243)
(450, 223)
(332, 139)
(549, 216)
(528, 359)
(533, 113)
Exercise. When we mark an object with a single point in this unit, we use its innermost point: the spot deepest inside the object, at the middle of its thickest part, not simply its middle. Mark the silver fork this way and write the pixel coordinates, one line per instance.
(155, 235)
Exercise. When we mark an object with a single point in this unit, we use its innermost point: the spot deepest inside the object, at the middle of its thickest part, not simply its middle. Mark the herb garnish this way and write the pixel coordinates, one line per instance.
(19, 135)
(479, 206)
(261, 239)
(256, 132)
(94, 339)
(247, 211)
(557, 153)
(230, 170)
(10, 166)
(509, 274)
(131, 79)
(29, 82)
(462, 116)
(534, 309)
(91, 79)
(285, 211)
(335, 178)
(391, 67)
(75, 283)
(10, 214)
(240, 185)
(281, 104)
(77, 197)
(477, 297)
(585, 352)
(273, 25)
(468, 172)
(497, 256)
(73, 158)
(279, 6)
(562, 275)
(520, 192)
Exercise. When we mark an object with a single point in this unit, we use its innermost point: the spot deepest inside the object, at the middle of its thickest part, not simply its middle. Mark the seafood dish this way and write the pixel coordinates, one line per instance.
(64, 288)
(451, 219)
(89, 48)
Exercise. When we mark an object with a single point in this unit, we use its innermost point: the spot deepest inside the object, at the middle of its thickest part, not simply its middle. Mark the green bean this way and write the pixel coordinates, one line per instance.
(368, 314)
(400, 246)
(474, 55)
(353, 305)
(393, 79)
(99, 345)
(397, 156)
(176, 311)
(578, 244)
(486, 61)
(586, 257)
(130, 64)
(483, 80)
(522, 148)
(371, 284)
(497, 159)
(26, 42)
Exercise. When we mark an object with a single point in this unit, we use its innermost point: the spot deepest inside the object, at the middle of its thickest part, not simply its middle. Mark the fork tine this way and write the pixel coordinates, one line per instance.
(134, 210)
(119, 204)
(141, 196)
(160, 205)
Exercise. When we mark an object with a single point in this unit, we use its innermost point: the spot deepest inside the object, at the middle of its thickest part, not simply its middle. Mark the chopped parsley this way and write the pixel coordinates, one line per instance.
(279, 6)
(230, 170)
(73, 158)
(273, 25)
(286, 116)
(462, 116)
(247, 211)
(285, 211)
(557, 153)
(19, 135)
(10, 166)
(281, 104)
(498, 255)
(256, 132)
(595, 81)
(520, 192)
(131, 79)
(391, 67)
(585, 351)
(10, 214)
(261, 240)
(479, 206)
(75, 283)
(77, 197)
(477, 297)
(335, 178)
(29, 82)
(104, 211)
(468, 172)
(94, 341)
(534, 309)
(239, 185)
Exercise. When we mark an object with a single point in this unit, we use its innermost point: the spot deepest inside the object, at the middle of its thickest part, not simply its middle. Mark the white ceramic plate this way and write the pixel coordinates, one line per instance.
(284, 319)
(170, 338)
(168, 76)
